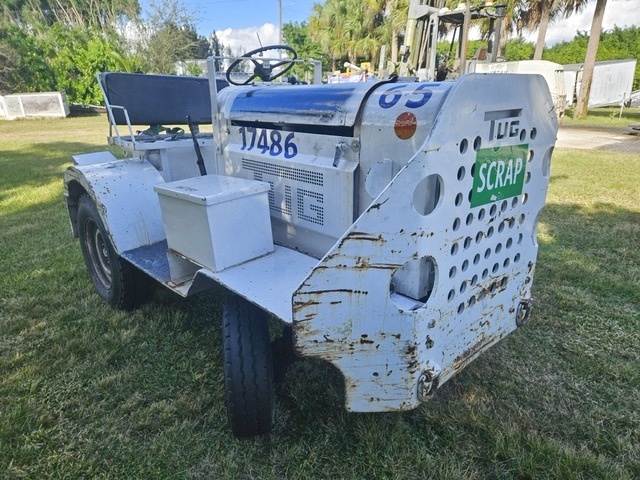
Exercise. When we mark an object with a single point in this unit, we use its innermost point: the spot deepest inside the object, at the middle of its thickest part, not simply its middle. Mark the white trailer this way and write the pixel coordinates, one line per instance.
(391, 226)
(611, 85)
(552, 72)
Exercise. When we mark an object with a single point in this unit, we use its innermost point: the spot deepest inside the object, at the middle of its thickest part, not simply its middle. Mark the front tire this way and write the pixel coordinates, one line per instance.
(248, 370)
(115, 280)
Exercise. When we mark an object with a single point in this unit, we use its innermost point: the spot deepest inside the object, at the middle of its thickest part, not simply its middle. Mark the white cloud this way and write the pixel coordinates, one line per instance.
(245, 39)
(621, 13)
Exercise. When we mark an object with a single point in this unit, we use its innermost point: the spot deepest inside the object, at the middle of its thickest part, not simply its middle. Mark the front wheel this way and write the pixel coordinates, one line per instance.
(115, 280)
(248, 371)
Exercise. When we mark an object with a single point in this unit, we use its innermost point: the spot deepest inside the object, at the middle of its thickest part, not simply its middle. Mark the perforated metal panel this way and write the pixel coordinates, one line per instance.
(462, 254)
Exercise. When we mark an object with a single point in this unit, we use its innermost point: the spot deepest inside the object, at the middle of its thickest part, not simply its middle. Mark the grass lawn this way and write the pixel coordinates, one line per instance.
(605, 117)
(90, 392)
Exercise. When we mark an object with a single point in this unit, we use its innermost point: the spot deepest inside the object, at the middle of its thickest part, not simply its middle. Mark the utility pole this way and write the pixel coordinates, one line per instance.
(280, 37)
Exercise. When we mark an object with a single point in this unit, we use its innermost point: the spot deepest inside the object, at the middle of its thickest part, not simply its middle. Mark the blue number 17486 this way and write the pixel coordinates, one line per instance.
(268, 141)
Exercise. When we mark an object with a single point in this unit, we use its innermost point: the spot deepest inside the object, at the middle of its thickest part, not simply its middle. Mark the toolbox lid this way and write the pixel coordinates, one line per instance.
(211, 189)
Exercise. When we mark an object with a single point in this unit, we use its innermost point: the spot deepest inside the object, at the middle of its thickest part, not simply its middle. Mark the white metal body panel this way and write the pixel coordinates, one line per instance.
(93, 158)
(268, 281)
(396, 120)
(123, 193)
(174, 159)
(552, 73)
(484, 256)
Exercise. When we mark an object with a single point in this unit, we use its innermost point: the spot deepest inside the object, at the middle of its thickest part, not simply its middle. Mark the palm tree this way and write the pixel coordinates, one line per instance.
(582, 104)
(539, 13)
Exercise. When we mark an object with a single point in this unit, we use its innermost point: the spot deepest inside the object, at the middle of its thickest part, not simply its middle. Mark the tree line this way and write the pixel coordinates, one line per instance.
(62, 44)
(48, 45)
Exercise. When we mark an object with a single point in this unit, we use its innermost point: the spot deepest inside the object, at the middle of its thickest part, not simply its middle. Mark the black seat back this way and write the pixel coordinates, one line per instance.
(158, 99)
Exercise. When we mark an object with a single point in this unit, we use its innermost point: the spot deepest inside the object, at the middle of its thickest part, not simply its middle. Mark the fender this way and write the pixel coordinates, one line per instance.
(122, 191)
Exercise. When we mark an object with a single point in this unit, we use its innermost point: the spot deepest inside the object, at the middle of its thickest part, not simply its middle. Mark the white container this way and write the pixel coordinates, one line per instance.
(216, 221)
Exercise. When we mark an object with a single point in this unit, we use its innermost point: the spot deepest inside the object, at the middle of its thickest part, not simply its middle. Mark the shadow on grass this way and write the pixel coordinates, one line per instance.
(35, 166)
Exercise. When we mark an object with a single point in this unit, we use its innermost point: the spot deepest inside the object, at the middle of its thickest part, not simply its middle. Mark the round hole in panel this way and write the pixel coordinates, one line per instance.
(504, 206)
(501, 227)
(516, 258)
(527, 178)
(493, 210)
(498, 247)
(456, 224)
(461, 172)
(452, 293)
(482, 295)
(525, 198)
(519, 239)
(523, 135)
(469, 219)
(461, 308)
(534, 232)
(527, 280)
(454, 249)
(503, 282)
(470, 195)
(474, 280)
(487, 253)
(472, 301)
(495, 268)
(427, 194)
(534, 132)
(465, 265)
(485, 273)
(490, 232)
(464, 145)
(514, 202)
(492, 288)
(478, 237)
(452, 272)
(467, 242)
(477, 143)
(476, 259)
(521, 219)
(512, 222)
(413, 283)
(506, 262)
(530, 155)
(509, 242)
(473, 170)
(481, 214)
(458, 200)
(546, 162)
(463, 286)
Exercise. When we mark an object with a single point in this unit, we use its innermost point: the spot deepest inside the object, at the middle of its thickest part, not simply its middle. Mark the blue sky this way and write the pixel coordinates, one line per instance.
(240, 14)
(236, 22)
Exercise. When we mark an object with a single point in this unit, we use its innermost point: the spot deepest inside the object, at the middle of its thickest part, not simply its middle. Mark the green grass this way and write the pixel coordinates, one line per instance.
(90, 392)
(605, 117)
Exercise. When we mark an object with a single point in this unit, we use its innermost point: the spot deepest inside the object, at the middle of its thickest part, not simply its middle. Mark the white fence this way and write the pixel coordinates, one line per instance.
(45, 104)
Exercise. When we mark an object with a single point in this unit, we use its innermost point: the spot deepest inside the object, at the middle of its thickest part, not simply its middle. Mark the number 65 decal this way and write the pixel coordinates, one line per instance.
(419, 97)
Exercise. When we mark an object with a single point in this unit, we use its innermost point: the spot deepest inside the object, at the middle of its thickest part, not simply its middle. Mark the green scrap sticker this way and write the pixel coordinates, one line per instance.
(499, 173)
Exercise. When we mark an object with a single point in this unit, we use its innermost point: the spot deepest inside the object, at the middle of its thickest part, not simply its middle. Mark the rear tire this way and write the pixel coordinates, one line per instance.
(248, 370)
(115, 280)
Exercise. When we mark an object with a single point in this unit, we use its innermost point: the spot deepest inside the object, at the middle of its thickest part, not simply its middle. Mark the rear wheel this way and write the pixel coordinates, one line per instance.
(248, 371)
(115, 280)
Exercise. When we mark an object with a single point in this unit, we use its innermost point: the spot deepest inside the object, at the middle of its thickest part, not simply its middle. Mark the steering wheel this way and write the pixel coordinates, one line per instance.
(262, 68)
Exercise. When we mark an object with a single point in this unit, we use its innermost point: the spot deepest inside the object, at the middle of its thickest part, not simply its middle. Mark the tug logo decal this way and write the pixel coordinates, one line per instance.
(503, 123)
(499, 173)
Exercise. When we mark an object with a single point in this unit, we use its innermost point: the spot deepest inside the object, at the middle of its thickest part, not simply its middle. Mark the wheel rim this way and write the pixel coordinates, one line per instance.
(98, 252)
